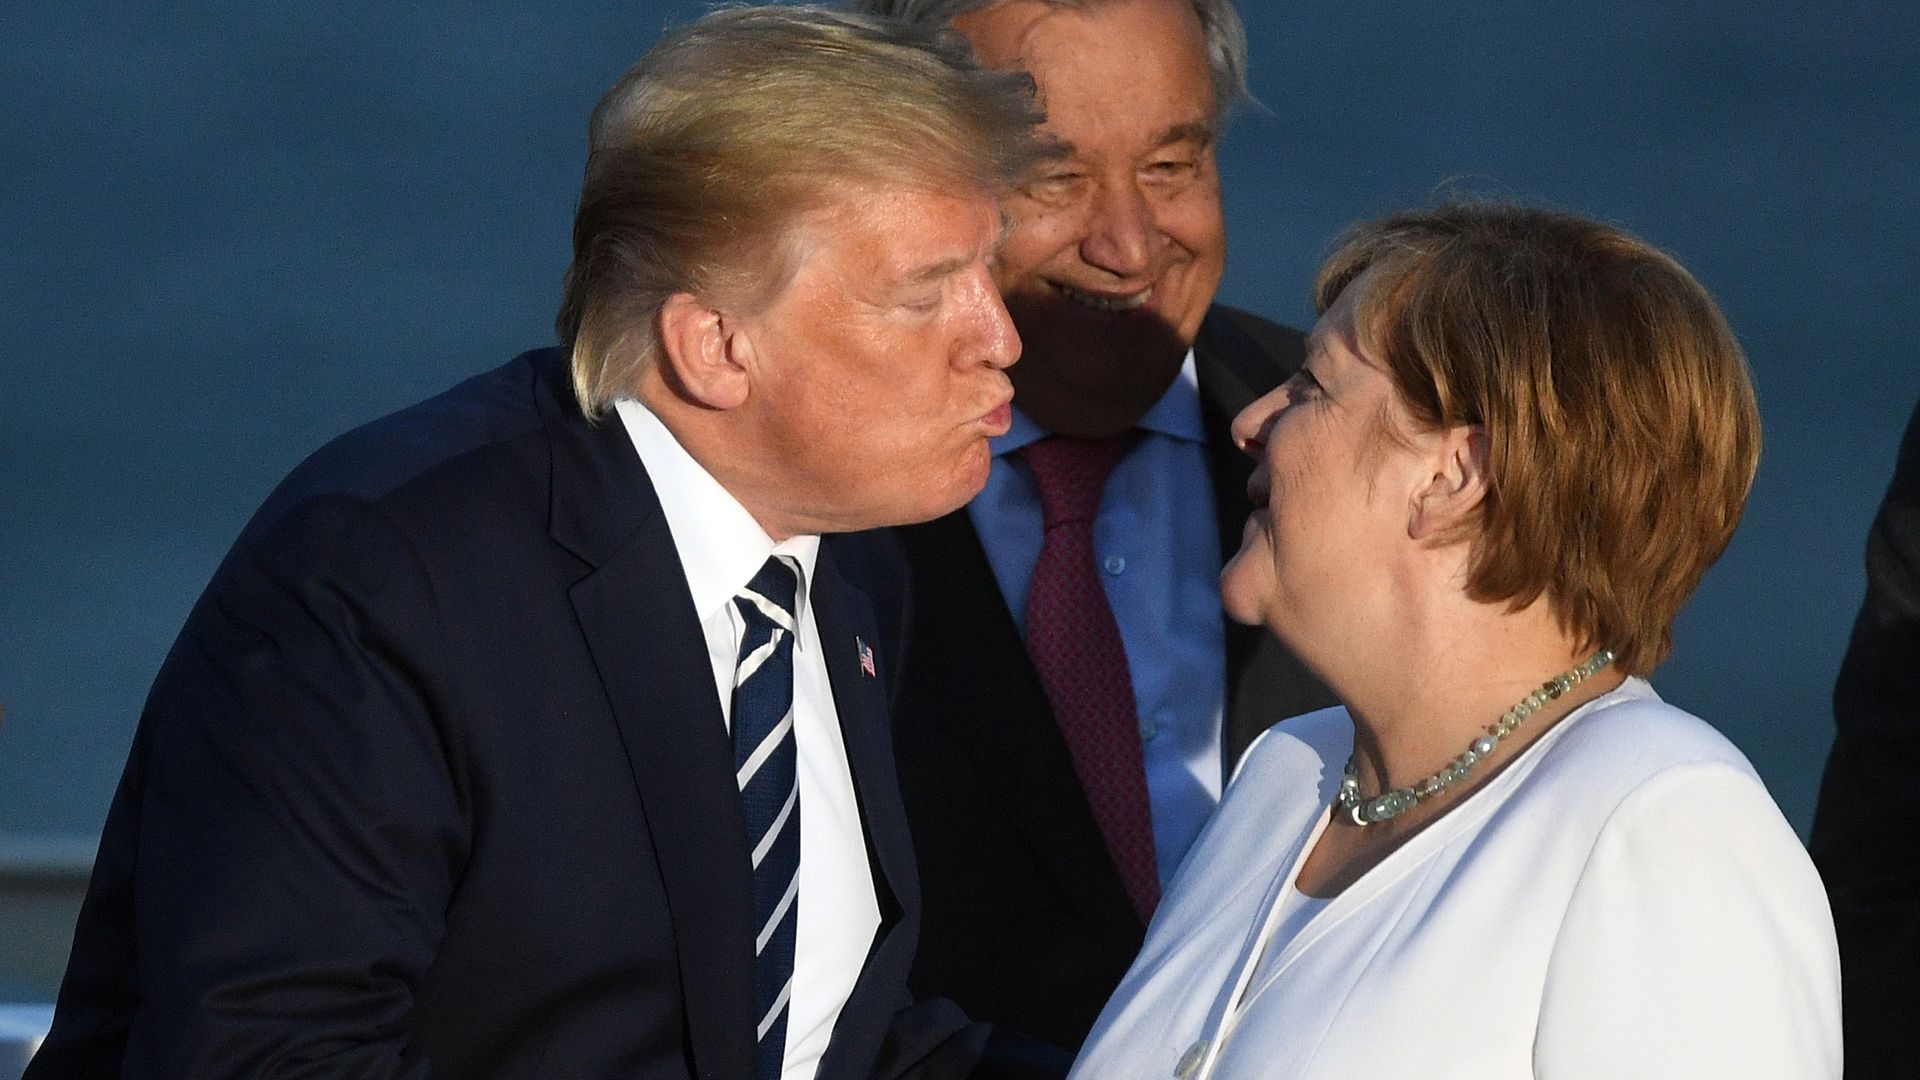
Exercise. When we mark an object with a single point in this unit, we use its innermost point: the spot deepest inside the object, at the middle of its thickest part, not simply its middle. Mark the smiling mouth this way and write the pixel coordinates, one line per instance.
(1098, 302)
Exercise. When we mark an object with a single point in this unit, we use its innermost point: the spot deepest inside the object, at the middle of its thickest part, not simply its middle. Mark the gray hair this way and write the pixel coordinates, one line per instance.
(734, 128)
(1223, 34)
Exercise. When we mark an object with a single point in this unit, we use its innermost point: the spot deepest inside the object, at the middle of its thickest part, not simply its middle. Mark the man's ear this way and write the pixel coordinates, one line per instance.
(1457, 484)
(701, 352)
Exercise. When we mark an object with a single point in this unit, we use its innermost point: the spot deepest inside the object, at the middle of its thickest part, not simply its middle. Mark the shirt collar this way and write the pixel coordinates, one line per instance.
(720, 545)
(1176, 414)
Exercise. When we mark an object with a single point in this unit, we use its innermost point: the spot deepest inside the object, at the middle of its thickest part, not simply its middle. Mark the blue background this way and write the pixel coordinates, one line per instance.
(230, 231)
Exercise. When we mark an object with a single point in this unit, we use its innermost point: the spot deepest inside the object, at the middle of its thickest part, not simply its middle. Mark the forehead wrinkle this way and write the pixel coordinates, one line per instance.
(1190, 130)
(1121, 129)
(953, 264)
(1023, 37)
(1038, 60)
(935, 271)
(1201, 134)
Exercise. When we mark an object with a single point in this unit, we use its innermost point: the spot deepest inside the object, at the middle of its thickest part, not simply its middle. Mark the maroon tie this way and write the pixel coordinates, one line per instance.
(1076, 648)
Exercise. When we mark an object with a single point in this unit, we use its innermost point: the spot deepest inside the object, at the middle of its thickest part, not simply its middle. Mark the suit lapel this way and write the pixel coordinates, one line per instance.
(1237, 359)
(1233, 370)
(1227, 387)
(639, 623)
(843, 613)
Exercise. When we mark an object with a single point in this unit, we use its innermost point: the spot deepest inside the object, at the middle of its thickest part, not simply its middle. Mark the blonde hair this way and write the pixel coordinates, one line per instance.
(1621, 427)
(707, 152)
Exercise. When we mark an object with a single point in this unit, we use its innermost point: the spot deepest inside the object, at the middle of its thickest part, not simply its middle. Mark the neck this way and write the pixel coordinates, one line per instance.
(709, 437)
(1439, 688)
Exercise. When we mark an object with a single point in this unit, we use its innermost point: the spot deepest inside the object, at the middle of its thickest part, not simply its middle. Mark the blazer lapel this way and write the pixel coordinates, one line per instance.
(639, 623)
(1278, 871)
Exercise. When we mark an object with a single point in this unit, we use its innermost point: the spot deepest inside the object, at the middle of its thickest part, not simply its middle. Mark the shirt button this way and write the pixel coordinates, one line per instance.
(1148, 729)
(1116, 565)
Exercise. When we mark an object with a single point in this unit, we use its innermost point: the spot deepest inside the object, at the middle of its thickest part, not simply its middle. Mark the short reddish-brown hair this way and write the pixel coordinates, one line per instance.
(1621, 428)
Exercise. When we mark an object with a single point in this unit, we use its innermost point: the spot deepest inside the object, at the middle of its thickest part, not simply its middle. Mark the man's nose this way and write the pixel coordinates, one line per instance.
(1121, 232)
(995, 342)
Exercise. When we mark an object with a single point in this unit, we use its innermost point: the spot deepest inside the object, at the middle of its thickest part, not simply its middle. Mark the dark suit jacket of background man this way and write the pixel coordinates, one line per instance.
(1866, 829)
(435, 776)
(1026, 921)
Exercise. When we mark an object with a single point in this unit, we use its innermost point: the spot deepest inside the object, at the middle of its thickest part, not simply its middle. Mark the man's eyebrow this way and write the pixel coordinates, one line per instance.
(934, 271)
(1191, 131)
(920, 275)
(1052, 147)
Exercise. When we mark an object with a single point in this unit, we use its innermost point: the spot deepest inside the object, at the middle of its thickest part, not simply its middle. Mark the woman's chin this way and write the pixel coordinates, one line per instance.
(1242, 599)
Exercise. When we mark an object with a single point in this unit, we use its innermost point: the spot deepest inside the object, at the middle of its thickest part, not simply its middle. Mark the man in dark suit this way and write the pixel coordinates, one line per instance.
(541, 729)
(1866, 829)
(1074, 693)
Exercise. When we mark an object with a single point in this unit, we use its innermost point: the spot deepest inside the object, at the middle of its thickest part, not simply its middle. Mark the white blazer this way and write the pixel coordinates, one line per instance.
(1623, 901)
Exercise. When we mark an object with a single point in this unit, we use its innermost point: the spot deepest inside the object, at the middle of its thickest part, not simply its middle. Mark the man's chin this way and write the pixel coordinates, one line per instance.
(928, 502)
(969, 481)
(1091, 374)
(1094, 405)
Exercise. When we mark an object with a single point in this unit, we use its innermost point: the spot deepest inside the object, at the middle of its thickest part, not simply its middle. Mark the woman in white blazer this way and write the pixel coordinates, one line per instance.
(1518, 441)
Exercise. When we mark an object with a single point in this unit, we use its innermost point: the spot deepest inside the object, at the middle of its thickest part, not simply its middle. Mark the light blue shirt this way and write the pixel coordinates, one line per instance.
(1157, 543)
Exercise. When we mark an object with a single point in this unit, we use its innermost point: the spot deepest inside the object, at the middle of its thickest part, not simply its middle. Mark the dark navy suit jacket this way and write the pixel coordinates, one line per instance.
(1866, 829)
(435, 782)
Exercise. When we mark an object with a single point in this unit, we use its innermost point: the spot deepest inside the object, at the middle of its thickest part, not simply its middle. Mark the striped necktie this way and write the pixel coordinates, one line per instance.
(764, 758)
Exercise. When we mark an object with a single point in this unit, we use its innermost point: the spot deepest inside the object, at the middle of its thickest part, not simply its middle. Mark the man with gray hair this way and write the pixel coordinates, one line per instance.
(1074, 692)
(542, 728)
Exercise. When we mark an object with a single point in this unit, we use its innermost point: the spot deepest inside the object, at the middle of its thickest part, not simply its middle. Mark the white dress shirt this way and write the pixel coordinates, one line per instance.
(721, 548)
(1623, 900)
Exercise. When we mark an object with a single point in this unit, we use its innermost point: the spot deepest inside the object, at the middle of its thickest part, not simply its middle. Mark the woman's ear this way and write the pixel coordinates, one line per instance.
(1451, 494)
(702, 349)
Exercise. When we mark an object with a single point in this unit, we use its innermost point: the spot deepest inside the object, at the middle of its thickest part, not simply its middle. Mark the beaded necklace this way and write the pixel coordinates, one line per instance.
(1393, 803)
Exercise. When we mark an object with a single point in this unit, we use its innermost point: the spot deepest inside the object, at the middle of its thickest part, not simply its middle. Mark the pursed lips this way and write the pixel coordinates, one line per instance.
(998, 416)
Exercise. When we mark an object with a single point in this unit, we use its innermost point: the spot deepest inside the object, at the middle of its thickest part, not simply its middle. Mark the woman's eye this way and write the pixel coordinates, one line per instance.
(1303, 386)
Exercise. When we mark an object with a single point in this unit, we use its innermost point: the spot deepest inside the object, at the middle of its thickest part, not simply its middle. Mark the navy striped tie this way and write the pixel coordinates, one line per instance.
(764, 756)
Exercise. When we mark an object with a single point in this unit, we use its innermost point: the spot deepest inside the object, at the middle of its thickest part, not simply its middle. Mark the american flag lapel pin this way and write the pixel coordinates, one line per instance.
(866, 658)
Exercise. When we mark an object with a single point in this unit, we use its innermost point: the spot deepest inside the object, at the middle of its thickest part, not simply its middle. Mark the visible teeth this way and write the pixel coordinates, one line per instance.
(1109, 303)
